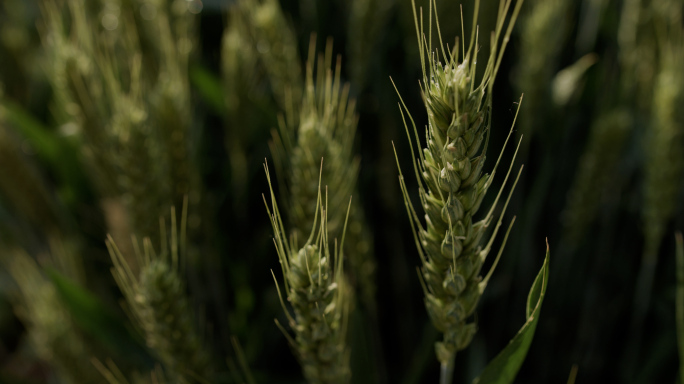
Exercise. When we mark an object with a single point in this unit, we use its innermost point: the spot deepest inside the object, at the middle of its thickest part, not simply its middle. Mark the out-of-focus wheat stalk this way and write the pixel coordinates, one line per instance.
(242, 72)
(367, 22)
(663, 160)
(596, 176)
(315, 286)
(50, 328)
(276, 44)
(638, 51)
(541, 40)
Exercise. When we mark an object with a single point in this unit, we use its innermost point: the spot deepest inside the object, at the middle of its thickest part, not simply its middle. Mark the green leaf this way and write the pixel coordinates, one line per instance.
(209, 87)
(55, 152)
(94, 318)
(505, 366)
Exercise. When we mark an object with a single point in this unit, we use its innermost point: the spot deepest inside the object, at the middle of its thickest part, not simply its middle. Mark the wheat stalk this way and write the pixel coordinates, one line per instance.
(450, 243)
(663, 164)
(541, 41)
(595, 177)
(663, 147)
(315, 286)
(158, 304)
(367, 20)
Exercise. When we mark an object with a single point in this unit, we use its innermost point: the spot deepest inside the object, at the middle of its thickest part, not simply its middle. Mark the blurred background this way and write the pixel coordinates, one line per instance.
(112, 111)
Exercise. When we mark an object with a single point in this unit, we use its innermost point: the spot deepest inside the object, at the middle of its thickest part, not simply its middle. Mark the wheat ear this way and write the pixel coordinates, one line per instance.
(159, 306)
(450, 243)
(314, 285)
(130, 105)
(327, 123)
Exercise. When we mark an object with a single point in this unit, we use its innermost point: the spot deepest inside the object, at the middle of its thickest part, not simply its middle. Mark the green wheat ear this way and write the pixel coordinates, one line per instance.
(327, 123)
(314, 285)
(451, 183)
(158, 303)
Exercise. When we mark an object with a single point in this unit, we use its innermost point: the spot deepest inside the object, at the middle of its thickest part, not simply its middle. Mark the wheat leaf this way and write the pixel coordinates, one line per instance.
(504, 367)
(208, 85)
(92, 316)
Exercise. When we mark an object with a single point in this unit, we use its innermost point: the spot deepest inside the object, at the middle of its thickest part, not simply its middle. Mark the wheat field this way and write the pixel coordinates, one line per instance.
(341, 191)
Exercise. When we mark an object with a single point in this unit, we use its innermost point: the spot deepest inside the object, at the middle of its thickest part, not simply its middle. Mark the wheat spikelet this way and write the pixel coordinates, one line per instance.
(160, 307)
(451, 241)
(320, 298)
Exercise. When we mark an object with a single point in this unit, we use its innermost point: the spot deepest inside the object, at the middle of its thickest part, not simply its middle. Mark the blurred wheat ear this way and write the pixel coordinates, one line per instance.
(158, 304)
(326, 128)
(315, 286)
(127, 99)
(276, 45)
